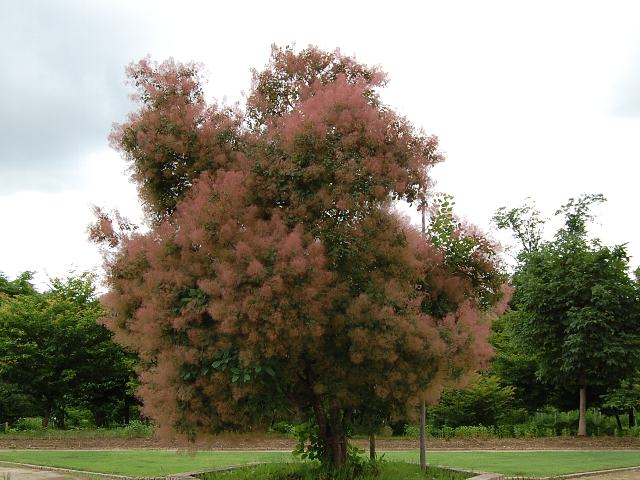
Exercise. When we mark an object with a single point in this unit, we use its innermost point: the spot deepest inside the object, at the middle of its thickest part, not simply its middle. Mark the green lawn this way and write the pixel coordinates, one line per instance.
(164, 462)
(389, 471)
(139, 462)
(540, 463)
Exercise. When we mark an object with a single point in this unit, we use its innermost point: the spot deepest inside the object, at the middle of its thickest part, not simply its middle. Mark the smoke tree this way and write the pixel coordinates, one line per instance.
(275, 276)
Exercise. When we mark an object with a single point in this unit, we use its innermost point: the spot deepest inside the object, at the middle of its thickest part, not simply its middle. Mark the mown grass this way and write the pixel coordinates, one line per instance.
(308, 471)
(145, 462)
(139, 462)
(534, 463)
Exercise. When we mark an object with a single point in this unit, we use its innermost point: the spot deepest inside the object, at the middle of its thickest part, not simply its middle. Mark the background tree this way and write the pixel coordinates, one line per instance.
(55, 354)
(275, 274)
(577, 308)
(624, 399)
(14, 402)
(525, 223)
(21, 285)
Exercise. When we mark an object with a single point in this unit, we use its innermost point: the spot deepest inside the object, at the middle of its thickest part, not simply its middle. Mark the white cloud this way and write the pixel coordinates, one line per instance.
(525, 98)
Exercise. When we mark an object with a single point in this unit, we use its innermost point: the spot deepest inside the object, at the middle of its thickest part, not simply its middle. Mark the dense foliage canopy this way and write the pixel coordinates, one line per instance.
(54, 354)
(275, 274)
(577, 308)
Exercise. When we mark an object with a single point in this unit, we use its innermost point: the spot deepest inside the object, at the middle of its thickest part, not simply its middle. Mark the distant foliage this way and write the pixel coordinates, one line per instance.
(275, 276)
(486, 403)
(54, 356)
(576, 306)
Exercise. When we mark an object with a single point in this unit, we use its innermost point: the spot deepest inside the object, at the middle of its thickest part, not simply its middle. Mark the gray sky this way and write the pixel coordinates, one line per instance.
(538, 99)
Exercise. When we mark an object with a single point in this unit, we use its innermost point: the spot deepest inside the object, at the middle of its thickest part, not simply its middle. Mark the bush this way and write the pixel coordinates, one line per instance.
(136, 428)
(28, 424)
(281, 427)
(78, 418)
(486, 403)
(411, 431)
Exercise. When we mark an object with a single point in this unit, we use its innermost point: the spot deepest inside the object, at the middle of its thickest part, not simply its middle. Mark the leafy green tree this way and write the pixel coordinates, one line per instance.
(516, 367)
(577, 308)
(14, 402)
(53, 349)
(624, 399)
(525, 222)
(21, 285)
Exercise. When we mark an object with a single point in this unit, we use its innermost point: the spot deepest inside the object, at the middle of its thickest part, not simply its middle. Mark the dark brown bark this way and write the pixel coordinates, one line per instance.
(47, 415)
(582, 422)
(632, 418)
(372, 446)
(331, 433)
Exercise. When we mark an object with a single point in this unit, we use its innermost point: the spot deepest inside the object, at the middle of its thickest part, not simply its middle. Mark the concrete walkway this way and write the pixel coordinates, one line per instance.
(621, 475)
(22, 473)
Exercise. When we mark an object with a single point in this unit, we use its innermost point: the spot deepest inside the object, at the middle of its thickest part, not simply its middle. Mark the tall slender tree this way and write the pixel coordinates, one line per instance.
(577, 309)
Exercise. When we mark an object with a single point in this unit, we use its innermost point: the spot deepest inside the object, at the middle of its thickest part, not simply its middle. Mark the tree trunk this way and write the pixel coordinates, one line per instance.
(47, 415)
(336, 452)
(331, 434)
(372, 446)
(127, 412)
(618, 422)
(632, 418)
(582, 422)
(99, 418)
(423, 437)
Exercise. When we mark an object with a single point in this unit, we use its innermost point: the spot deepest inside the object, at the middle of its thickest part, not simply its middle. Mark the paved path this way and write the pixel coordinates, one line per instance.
(623, 475)
(21, 473)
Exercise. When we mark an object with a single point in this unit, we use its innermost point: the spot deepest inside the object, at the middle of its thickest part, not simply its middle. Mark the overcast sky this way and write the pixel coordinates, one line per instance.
(537, 99)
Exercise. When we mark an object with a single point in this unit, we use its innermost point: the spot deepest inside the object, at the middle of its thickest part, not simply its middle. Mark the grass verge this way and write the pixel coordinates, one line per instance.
(534, 463)
(307, 471)
(164, 462)
(139, 462)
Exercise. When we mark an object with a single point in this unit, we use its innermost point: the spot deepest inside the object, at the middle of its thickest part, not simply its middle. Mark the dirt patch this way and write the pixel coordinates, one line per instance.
(275, 442)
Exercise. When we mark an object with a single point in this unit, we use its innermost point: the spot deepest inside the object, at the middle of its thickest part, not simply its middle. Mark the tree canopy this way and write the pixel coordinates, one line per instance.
(577, 309)
(275, 274)
(53, 354)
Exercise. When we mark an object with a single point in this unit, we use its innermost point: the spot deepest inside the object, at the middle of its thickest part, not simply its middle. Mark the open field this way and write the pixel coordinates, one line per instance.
(164, 462)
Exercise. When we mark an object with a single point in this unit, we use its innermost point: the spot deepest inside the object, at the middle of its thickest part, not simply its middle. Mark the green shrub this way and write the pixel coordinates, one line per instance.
(486, 403)
(78, 418)
(474, 431)
(136, 428)
(411, 431)
(28, 424)
(281, 427)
